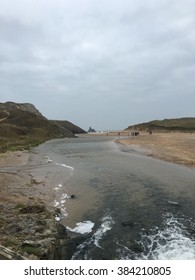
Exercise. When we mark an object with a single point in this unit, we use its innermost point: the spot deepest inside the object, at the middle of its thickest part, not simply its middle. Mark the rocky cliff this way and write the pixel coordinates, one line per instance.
(9, 106)
(70, 126)
(23, 126)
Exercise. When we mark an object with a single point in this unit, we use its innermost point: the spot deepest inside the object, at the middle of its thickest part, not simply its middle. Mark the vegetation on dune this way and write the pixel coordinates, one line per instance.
(180, 124)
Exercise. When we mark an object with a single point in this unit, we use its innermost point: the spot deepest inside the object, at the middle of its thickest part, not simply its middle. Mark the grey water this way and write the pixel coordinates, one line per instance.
(127, 205)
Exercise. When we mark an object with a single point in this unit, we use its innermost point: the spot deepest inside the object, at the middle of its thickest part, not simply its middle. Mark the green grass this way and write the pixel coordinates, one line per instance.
(11, 242)
(19, 206)
(182, 125)
(31, 250)
(19, 144)
(23, 129)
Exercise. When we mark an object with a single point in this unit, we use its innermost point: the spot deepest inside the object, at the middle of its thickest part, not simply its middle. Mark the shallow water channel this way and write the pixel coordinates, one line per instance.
(126, 205)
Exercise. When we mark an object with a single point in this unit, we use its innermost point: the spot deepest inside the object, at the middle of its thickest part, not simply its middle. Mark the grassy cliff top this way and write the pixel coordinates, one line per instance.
(180, 124)
(23, 126)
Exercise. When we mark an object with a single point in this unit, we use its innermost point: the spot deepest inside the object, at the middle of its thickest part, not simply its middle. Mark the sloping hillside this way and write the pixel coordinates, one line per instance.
(181, 124)
(22, 125)
(70, 126)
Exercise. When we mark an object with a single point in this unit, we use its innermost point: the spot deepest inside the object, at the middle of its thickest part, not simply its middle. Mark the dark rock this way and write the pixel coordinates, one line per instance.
(68, 247)
(137, 248)
(57, 211)
(41, 223)
(32, 209)
(13, 228)
(7, 254)
(30, 243)
(40, 229)
(61, 230)
(91, 130)
(32, 232)
(128, 224)
(72, 196)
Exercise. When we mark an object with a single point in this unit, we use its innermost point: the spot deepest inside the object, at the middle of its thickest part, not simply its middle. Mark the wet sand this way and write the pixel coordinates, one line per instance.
(17, 183)
(20, 187)
(13, 185)
(176, 147)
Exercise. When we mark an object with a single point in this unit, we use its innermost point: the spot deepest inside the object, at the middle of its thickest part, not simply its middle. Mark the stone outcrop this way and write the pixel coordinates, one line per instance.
(7, 254)
(31, 232)
(23, 126)
(21, 106)
(91, 130)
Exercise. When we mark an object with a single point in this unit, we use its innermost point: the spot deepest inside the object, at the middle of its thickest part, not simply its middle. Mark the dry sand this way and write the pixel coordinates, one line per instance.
(175, 147)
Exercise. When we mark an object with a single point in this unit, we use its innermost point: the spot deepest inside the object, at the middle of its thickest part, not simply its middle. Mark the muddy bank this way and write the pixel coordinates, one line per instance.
(28, 228)
(172, 147)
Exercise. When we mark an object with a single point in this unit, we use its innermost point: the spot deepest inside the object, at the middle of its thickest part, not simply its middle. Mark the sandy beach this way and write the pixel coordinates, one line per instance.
(175, 147)
(17, 182)
(25, 198)
(20, 187)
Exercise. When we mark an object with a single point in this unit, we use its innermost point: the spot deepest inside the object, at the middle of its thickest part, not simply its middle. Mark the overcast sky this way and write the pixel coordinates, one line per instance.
(100, 63)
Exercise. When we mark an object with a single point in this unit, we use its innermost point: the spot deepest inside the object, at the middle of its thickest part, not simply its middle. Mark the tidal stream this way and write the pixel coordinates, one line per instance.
(125, 205)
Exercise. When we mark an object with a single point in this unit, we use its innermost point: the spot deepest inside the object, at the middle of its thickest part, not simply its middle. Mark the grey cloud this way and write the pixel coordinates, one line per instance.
(101, 55)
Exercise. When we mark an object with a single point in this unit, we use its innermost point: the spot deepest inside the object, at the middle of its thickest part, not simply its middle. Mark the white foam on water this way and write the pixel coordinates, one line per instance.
(57, 218)
(64, 196)
(173, 202)
(62, 201)
(82, 227)
(66, 166)
(171, 243)
(63, 211)
(80, 249)
(84, 248)
(57, 188)
(124, 253)
(56, 203)
(61, 205)
(48, 160)
(105, 226)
